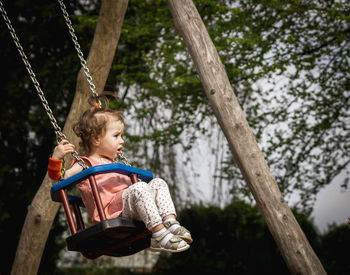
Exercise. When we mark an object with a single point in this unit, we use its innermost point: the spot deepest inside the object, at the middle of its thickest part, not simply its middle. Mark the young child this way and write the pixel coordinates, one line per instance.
(101, 132)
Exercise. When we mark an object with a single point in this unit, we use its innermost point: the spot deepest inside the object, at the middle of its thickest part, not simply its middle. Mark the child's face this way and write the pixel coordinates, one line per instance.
(110, 144)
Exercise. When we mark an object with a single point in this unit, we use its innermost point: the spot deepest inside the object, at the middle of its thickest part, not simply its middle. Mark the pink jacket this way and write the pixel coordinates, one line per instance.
(110, 187)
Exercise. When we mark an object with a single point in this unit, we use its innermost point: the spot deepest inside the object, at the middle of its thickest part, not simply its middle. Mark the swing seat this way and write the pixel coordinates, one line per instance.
(115, 237)
(126, 170)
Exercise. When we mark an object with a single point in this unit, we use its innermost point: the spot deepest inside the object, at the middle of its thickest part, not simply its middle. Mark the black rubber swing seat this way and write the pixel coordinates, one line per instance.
(114, 237)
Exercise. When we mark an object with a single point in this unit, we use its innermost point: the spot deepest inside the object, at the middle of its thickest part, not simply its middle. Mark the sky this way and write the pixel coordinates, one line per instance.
(332, 205)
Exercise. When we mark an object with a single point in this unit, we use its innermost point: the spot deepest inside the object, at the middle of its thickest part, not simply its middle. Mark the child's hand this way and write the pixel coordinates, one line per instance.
(62, 149)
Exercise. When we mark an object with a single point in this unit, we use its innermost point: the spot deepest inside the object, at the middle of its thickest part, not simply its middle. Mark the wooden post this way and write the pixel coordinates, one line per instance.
(296, 250)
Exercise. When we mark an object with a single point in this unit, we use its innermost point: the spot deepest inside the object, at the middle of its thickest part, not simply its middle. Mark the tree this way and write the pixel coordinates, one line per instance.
(230, 240)
(334, 243)
(299, 50)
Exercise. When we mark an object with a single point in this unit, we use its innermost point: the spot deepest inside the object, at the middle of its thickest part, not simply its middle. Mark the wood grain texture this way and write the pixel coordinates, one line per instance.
(299, 256)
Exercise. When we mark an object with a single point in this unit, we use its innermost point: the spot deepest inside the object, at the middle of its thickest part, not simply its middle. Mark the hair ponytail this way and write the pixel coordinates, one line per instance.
(98, 102)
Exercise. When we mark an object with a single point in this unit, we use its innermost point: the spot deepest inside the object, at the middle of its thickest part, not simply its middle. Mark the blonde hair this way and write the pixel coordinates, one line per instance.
(92, 123)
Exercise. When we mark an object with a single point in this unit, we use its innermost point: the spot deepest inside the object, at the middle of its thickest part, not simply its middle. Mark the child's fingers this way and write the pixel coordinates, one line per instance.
(68, 147)
(64, 148)
(63, 142)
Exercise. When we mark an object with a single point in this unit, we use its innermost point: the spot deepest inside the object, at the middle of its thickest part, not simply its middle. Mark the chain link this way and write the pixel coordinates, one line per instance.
(77, 47)
(123, 159)
(59, 135)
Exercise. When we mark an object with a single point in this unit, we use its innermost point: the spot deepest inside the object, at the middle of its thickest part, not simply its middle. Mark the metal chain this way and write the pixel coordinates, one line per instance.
(77, 47)
(59, 135)
(83, 62)
(123, 159)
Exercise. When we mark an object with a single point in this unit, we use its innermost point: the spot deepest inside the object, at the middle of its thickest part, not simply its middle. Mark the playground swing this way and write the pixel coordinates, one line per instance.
(114, 237)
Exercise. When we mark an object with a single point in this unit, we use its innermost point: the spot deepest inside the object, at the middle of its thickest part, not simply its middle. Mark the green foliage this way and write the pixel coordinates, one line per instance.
(236, 240)
(335, 244)
(233, 240)
(293, 86)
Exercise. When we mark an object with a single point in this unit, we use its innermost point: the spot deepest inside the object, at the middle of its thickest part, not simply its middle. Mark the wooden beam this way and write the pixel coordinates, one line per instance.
(295, 248)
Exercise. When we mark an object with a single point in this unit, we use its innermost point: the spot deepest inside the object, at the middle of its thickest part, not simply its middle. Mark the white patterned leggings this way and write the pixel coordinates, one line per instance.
(149, 202)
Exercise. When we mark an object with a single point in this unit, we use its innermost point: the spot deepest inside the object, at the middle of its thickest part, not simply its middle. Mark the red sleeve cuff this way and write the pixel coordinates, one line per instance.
(54, 168)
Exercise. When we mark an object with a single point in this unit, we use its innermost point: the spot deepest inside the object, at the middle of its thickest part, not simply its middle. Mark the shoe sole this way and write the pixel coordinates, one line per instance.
(186, 239)
(161, 249)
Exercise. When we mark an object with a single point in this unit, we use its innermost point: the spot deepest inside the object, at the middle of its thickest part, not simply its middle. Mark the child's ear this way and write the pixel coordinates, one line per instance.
(96, 141)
